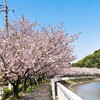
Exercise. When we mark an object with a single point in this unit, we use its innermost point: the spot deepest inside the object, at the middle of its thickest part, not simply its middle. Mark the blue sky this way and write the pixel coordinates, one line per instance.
(78, 16)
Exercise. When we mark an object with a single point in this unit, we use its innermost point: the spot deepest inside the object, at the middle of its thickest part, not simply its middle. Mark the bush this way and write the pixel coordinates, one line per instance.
(7, 93)
(12, 98)
(34, 86)
(29, 89)
(20, 87)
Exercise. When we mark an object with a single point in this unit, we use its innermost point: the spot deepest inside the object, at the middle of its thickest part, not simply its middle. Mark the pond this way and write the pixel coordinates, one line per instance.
(90, 91)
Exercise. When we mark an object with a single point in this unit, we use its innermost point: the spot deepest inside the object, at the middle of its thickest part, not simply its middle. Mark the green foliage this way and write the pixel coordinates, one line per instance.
(34, 86)
(44, 81)
(7, 93)
(50, 91)
(13, 98)
(29, 89)
(3, 81)
(90, 61)
(20, 87)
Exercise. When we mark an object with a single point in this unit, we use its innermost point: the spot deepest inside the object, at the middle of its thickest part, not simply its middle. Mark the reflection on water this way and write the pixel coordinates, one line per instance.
(90, 91)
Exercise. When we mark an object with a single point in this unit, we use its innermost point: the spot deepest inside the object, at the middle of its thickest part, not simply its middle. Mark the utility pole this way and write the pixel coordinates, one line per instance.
(5, 10)
(6, 15)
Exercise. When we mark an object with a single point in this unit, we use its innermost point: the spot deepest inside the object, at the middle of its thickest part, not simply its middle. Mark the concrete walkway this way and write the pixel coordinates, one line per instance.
(41, 93)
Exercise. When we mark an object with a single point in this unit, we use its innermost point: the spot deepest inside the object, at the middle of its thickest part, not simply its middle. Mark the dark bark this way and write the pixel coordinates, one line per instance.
(31, 82)
(39, 80)
(34, 81)
(15, 89)
(24, 85)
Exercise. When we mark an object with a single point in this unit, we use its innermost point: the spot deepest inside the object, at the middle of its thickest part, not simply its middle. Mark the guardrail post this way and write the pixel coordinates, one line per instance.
(53, 86)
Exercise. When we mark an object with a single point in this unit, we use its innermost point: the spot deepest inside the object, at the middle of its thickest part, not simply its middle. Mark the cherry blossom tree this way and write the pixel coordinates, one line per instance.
(28, 52)
(76, 71)
(16, 52)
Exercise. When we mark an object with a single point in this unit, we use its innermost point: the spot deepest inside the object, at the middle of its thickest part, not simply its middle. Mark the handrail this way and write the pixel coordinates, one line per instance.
(66, 94)
(57, 79)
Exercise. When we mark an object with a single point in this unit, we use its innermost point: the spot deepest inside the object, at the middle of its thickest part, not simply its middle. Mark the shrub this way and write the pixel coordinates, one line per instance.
(7, 93)
(20, 87)
(12, 98)
(29, 89)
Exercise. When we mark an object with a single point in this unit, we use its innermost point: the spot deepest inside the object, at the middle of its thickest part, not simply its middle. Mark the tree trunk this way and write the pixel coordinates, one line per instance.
(15, 90)
(24, 85)
(31, 82)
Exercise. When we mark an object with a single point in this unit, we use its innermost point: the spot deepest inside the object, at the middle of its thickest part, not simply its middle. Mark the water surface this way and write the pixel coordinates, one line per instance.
(90, 91)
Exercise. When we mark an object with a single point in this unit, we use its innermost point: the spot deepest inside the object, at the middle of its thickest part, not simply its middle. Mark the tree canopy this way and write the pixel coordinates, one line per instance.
(90, 61)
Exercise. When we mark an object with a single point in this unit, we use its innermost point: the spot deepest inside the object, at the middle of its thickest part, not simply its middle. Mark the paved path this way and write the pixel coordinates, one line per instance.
(41, 93)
